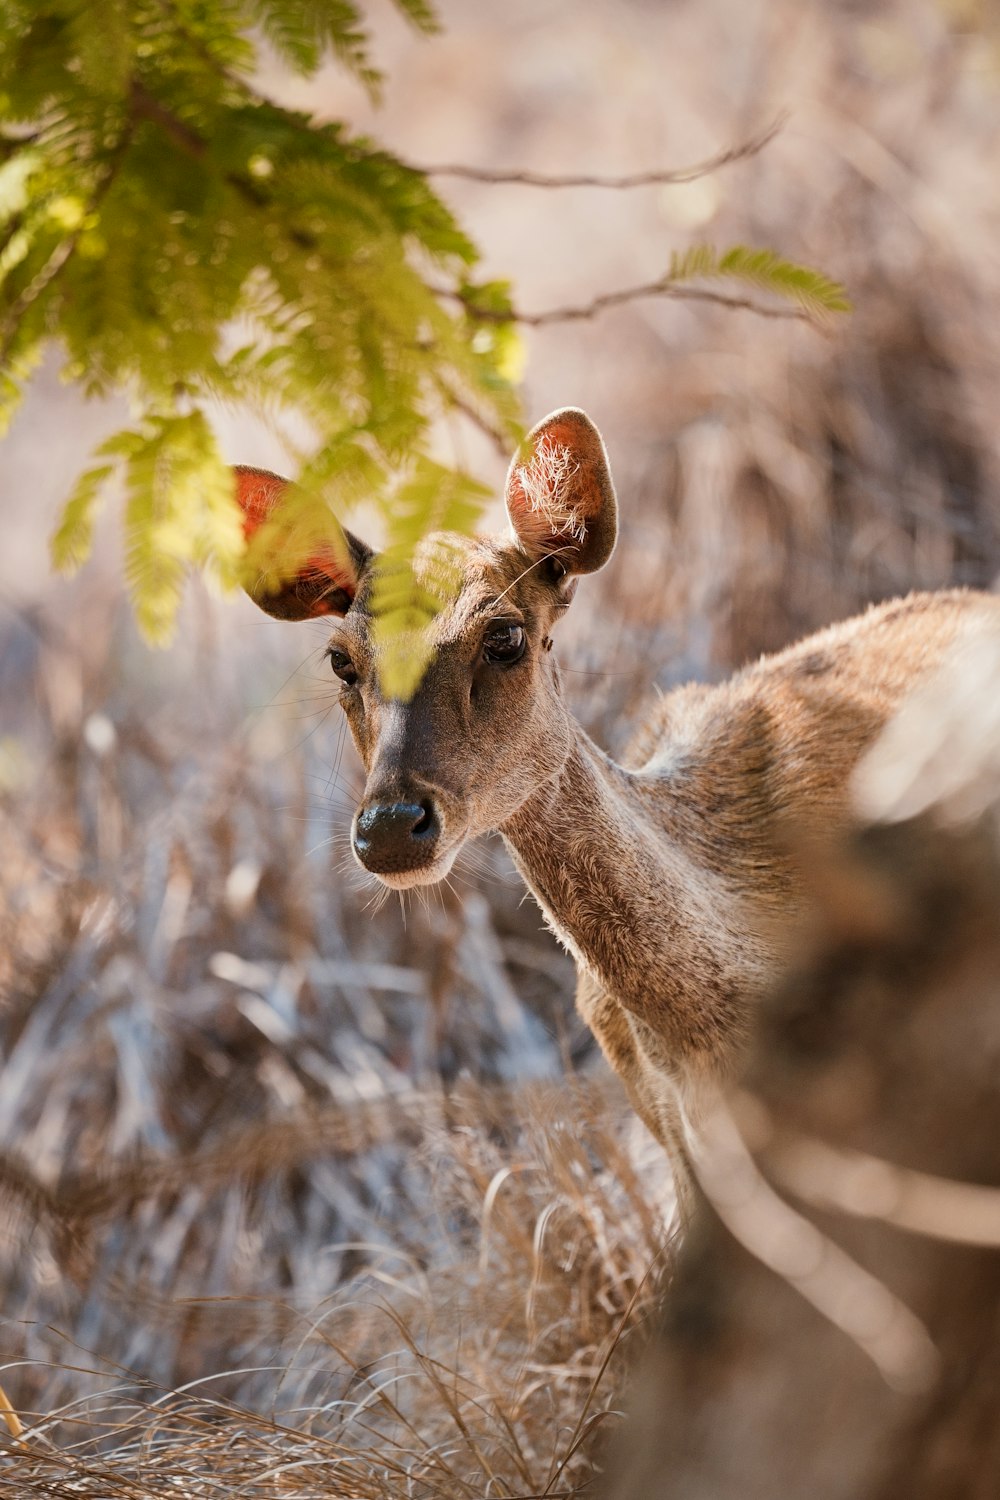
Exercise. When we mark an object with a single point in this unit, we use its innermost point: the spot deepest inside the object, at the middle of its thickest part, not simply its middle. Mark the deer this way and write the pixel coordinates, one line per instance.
(673, 876)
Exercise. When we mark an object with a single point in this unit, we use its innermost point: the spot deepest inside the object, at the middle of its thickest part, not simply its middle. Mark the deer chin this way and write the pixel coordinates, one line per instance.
(430, 874)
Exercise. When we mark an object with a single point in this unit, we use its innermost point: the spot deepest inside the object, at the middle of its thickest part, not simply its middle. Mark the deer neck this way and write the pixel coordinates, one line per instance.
(652, 927)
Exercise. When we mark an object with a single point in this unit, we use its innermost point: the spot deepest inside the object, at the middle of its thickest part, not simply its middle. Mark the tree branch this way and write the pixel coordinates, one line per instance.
(661, 289)
(599, 304)
(499, 440)
(668, 176)
(145, 107)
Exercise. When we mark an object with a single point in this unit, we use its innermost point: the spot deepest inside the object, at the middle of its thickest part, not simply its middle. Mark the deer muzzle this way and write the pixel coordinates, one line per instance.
(397, 836)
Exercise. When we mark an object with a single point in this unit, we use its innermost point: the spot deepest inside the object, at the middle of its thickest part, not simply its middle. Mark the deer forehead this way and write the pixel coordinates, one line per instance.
(492, 576)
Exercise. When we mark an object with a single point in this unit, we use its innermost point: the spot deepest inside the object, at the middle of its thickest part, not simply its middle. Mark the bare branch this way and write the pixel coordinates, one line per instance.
(661, 288)
(452, 398)
(667, 177)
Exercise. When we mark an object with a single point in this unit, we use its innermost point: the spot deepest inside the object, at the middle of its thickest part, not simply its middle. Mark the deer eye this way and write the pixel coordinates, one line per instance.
(504, 644)
(342, 665)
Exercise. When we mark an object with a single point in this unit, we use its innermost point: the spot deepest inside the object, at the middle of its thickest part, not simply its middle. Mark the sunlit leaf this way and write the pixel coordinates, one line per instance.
(764, 269)
(72, 539)
(188, 242)
(417, 577)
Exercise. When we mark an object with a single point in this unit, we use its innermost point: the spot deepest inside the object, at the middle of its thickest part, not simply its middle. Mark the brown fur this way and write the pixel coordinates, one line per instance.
(674, 878)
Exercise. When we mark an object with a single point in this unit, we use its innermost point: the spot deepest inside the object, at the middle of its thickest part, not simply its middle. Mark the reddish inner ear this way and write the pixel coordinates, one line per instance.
(552, 496)
(258, 493)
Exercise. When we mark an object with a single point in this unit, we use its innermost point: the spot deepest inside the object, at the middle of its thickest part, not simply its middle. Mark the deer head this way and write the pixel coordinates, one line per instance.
(487, 726)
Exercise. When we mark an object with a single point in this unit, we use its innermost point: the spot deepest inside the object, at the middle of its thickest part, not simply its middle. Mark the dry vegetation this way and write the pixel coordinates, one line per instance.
(304, 1197)
(252, 1130)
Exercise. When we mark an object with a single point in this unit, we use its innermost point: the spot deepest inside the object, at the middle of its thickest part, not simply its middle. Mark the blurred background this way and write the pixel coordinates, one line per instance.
(234, 1087)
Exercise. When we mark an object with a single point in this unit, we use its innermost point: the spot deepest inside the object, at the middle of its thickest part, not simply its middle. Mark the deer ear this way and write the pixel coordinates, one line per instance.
(327, 583)
(560, 498)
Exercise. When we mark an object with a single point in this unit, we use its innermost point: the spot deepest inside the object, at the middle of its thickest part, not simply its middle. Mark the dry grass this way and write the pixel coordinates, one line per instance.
(484, 1366)
(282, 1208)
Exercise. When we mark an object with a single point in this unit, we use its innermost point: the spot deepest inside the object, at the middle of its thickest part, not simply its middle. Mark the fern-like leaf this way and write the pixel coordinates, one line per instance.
(765, 269)
(420, 14)
(417, 573)
(72, 539)
(180, 509)
(302, 30)
(700, 260)
(15, 175)
(812, 289)
(154, 571)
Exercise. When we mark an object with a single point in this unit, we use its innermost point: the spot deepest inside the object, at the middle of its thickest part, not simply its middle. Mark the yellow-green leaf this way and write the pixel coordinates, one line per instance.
(71, 541)
(813, 290)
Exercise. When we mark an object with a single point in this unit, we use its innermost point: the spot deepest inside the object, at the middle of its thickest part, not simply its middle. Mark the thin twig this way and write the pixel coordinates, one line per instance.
(10, 1417)
(499, 439)
(661, 288)
(665, 177)
(144, 106)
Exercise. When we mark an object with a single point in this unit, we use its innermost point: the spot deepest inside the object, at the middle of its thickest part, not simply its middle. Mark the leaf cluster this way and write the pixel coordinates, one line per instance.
(763, 269)
(190, 242)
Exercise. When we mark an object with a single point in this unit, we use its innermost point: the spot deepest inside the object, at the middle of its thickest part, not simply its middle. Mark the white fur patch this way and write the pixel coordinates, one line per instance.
(553, 485)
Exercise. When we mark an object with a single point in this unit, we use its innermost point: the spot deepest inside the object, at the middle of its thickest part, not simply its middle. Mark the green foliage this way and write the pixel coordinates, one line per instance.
(415, 576)
(72, 540)
(189, 242)
(179, 510)
(764, 269)
(416, 572)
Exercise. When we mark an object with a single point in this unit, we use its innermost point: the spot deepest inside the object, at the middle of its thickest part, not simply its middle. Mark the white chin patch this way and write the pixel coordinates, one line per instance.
(403, 880)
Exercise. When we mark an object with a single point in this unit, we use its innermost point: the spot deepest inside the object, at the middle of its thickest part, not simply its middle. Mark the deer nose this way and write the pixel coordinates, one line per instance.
(390, 837)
